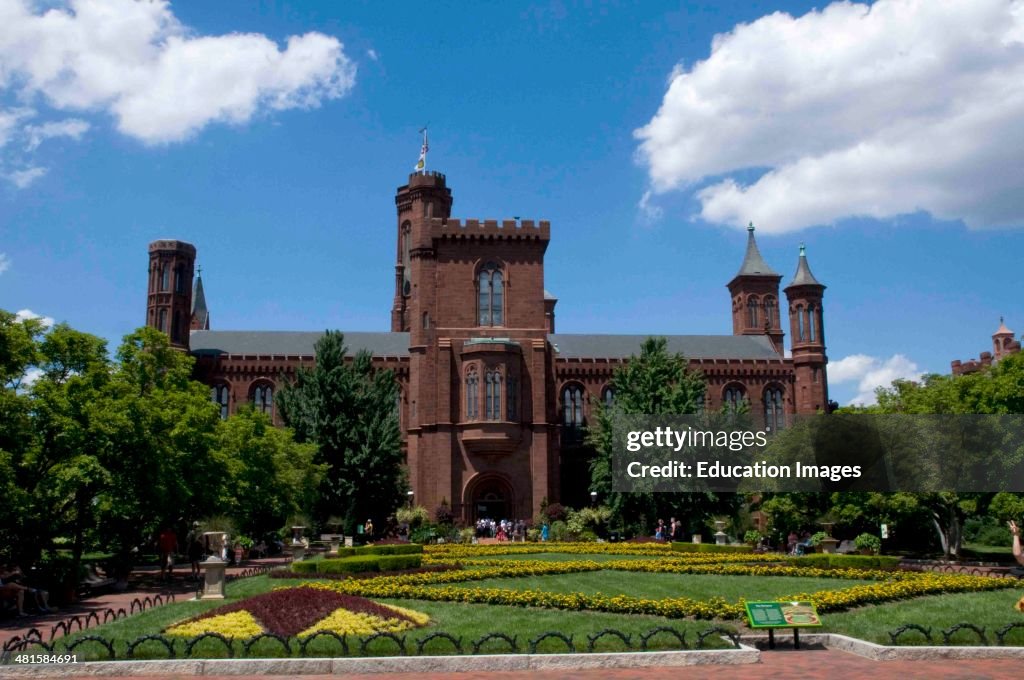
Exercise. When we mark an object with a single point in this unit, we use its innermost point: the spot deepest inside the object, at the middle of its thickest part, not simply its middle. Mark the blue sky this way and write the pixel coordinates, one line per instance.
(885, 141)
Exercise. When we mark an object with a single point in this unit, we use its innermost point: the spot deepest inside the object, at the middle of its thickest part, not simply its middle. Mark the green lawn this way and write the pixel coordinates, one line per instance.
(656, 586)
(992, 610)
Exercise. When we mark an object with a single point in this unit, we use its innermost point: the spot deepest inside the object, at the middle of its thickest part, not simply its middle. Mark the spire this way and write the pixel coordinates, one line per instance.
(1003, 330)
(803, 276)
(200, 314)
(753, 263)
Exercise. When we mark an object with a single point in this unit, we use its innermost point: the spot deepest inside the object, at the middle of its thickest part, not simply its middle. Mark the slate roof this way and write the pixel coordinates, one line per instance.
(294, 343)
(753, 263)
(199, 310)
(803, 276)
(692, 346)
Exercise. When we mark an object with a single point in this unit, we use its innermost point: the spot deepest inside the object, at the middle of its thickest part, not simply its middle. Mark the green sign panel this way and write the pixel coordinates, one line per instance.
(782, 614)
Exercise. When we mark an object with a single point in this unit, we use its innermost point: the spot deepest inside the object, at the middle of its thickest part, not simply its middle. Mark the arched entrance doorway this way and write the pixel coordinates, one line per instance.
(490, 497)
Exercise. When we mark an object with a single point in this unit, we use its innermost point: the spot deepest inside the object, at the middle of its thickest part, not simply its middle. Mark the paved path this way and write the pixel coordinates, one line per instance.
(780, 664)
(143, 582)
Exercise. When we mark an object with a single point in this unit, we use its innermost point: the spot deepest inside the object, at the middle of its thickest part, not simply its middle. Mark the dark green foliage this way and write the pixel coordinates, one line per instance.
(362, 563)
(349, 411)
(711, 548)
(304, 566)
(827, 561)
(397, 549)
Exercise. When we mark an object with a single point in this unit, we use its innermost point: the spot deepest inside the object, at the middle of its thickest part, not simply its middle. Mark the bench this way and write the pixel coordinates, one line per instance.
(93, 581)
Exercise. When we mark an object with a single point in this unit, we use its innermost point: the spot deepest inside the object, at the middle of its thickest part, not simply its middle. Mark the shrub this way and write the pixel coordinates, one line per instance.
(817, 538)
(868, 542)
(752, 536)
(443, 514)
(533, 535)
(304, 566)
(348, 564)
(415, 517)
(397, 562)
(711, 548)
(555, 512)
(466, 535)
(558, 531)
(824, 561)
(396, 549)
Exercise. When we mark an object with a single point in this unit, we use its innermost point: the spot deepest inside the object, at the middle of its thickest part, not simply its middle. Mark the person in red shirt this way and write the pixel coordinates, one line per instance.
(168, 544)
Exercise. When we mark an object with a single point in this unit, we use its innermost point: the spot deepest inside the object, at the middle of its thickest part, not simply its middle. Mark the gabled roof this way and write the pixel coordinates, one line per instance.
(573, 346)
(803, 276)
(293, 343)
(753, 263)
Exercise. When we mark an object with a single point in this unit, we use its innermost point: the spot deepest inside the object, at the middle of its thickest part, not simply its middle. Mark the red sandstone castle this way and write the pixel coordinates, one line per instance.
(493, 400)
(1003, 345)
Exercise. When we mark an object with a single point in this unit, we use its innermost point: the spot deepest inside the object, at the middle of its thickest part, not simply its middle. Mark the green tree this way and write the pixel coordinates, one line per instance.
(654, 383)
(349, 410)
(270, 475)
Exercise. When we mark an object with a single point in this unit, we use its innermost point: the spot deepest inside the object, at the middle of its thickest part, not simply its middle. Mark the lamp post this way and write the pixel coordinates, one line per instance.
(593, 498)
(409, 495)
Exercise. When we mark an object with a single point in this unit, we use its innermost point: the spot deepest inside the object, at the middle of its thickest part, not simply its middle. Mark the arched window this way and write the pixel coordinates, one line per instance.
(179, 279)
(176, 327)
(774, 417)
(800, 332)
(492, 405)
(511, 397)
(572, 406)
(472, 396)
(220, 396)
(490, 306)
(263, 399)
(608, 396)
(426, 320)
(162, 325)
(733, 397)
(406, 237)
(752, 305)
(820, 323)
(769, 312)
(810, 323)
(165, 277)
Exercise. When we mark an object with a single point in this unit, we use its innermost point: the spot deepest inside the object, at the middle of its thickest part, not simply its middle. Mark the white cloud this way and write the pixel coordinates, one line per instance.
(5, 262)
(372, 54)
(23, 314)
(31, 375)
(870, 373)
(161, 82)
(650, 212)
(23, 178)
(72, 128)
(878, 111)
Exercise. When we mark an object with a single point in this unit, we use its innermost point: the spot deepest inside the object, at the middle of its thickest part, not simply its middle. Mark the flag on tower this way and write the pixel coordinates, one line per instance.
(421, 166)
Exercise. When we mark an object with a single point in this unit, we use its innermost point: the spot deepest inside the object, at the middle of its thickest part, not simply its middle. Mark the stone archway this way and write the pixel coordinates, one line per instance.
(489, 496)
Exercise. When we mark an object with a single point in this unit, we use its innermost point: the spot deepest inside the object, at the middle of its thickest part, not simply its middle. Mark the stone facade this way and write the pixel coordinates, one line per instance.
(1003, 345)
(493, 401)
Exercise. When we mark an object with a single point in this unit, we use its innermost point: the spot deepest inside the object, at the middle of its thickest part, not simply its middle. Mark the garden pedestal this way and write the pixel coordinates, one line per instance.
(213, 583)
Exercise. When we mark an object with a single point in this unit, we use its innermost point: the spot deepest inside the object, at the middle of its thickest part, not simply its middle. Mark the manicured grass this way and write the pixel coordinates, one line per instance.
(468, 621)
(656, 586)
(992, 610)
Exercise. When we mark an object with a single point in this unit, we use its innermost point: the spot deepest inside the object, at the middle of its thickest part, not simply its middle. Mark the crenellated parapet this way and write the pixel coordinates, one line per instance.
(490, 230)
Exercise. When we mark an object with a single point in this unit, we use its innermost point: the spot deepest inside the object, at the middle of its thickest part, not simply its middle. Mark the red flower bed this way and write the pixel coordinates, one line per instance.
(290, 611)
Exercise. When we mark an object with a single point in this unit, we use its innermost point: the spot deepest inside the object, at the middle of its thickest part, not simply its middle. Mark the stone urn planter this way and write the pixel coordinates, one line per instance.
(215, 541)
(298, 543)
(720, 536)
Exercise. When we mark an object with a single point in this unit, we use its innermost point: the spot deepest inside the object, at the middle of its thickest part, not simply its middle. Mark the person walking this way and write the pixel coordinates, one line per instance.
(168, 545)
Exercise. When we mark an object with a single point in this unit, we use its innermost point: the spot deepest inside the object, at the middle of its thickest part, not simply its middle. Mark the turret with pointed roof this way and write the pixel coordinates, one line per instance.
(200, 314)
(1003, 343)
(755, 296)
(807, 330)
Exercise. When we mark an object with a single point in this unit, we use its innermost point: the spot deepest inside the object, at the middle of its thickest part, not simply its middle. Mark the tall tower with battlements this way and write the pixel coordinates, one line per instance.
(169, 291)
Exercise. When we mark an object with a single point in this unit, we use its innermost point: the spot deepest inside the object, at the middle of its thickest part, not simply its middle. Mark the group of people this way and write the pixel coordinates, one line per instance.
(673, 531)
(504, 530)
(10, 587)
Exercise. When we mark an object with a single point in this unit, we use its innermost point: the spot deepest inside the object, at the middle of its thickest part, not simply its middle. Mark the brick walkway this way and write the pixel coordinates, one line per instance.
(780, 664)
(143, 582)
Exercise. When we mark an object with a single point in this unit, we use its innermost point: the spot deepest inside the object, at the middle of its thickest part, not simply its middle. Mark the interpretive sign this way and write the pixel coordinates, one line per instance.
(782, 615)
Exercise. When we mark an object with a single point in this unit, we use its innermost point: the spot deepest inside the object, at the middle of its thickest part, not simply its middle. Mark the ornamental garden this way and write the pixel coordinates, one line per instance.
(553, 597)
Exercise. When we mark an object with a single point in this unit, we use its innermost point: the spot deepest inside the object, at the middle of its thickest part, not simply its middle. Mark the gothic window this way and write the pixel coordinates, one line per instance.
(491, 301)
(752, 306)
(608, 396)
(179, 279)
(162, 325)
(820, 324)
(733, 397)
(406, 236)
(472, 396)
(165, 277)
(176, 327)
(572, 406)
(774, 418)
(800, 333)
(426, 320)
(220, 395)
(492, 405)
(810, 323)
(263, 399)
(769, 312)
(511, 397)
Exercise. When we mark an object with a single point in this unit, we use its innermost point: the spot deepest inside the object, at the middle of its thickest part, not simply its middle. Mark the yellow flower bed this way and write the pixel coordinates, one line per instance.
(345, 622)
(450, 551)
(234, 625)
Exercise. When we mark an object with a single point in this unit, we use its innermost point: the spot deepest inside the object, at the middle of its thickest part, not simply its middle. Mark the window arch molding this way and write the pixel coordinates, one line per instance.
(771, 310)
(573, 396)
(261, 396)
(471, 385)
(774, 400)
(220, 394)
(733, 395)
(608, 395)
(753, 307)
(491, 281)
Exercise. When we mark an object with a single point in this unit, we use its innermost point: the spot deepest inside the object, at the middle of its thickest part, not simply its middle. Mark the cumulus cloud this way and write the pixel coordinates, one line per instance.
(158, 79)
(23, 178)
(854, 110)
(5, 262)
(23, 314)
(870, 373)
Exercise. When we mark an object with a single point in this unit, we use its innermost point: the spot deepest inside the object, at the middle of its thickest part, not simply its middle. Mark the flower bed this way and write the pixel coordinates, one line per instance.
(299, 611)
(455, 551)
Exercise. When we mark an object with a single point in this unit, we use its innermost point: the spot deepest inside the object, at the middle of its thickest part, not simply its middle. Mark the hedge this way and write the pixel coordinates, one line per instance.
(834, 561)
(304, 566)
(395, 549)
(711, 548)
(357, 564)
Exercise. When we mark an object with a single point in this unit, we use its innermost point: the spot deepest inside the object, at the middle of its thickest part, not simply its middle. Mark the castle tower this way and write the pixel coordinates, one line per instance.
(169, 295)
(200, 314)
(425, 196)
(755, 296)
(806, 325)
(1003, 343)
